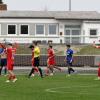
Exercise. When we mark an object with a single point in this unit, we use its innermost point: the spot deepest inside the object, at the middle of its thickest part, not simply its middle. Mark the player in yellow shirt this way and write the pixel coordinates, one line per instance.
(36, 59)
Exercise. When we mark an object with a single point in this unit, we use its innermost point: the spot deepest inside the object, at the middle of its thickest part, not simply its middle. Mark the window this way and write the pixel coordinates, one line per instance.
(75, 40)
(39, 29)
(67, 32)
(75, 32)
(24, 29)
(52, 29)
(93, 33)
(12, 29)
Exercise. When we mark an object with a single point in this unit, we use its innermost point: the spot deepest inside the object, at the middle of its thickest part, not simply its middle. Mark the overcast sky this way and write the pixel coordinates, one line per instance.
(58, 5)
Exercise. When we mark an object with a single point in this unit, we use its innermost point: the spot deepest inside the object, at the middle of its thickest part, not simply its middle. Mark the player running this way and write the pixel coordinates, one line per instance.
(32, 61)
(51, 61)
(98, 47)
(10, 63)
(36, 60)
(69, 59)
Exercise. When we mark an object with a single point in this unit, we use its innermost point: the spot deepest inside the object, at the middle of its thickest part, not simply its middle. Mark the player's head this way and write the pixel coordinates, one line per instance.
(9, 45)
(50, 46)
(35, 43)
(31, 47)
(68, 46)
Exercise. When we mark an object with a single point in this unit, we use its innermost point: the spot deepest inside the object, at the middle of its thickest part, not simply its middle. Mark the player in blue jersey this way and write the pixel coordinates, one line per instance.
(69, 59)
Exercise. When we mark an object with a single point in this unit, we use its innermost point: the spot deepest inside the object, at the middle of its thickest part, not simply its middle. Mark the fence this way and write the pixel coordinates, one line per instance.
(25, 60)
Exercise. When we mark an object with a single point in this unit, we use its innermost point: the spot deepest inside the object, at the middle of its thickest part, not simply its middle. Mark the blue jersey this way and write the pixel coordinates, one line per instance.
(69, 55)
(1, 50)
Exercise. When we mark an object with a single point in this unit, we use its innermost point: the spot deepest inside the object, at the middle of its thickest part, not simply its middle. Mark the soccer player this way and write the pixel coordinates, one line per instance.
(98, 47)
(36, 59)
(51, 61)
(69, 59)
(32, 60)
(3, 60)
(10, 63)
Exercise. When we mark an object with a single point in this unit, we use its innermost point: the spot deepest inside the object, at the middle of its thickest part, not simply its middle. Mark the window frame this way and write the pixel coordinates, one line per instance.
(93, 36)
(39, 34)
(15, 30)
(56, 30)
(20, 30)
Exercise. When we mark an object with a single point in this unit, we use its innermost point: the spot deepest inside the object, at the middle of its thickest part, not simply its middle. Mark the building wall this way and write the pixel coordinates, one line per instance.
(32, 27)
(86, 31)
(85, 26)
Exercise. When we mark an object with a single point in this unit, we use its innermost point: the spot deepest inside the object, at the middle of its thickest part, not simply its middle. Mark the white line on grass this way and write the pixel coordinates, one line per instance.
(57, 89)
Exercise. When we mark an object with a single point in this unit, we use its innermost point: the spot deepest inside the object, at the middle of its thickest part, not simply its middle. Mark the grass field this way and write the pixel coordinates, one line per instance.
(58, 87)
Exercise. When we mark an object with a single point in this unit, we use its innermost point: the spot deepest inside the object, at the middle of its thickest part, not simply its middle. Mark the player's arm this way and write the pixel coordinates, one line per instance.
(96, 46)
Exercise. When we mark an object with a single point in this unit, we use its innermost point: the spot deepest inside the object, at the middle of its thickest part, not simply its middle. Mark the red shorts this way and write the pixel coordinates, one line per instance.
(51, 62)
(10, 65)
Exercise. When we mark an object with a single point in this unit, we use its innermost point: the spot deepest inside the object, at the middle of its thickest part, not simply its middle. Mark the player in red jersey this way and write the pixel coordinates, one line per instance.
(51, 61)
(10, 63)
(98, 47)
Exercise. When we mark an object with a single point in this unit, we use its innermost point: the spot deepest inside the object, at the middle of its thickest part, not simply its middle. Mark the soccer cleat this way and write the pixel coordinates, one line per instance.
(97, 78)
(32, 75)
(7, 81)
(51, 74)
(14, 80)
(68, 75)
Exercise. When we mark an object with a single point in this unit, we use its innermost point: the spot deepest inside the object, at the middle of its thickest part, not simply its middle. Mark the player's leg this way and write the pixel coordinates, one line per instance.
(36, 64)
(70, 68)
(5, 68)
(57, 68)
(51, 69)
(31, 72)
(99, 73)
(0, 69)
(11, 75)
(1, 65)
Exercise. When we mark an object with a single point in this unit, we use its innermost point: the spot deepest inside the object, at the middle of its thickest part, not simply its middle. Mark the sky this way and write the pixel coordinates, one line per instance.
(53, 5)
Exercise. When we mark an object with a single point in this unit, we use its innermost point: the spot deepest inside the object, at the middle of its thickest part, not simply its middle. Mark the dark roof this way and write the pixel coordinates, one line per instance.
(51, 14)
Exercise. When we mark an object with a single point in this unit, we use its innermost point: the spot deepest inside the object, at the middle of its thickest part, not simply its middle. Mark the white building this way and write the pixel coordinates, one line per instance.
(57, 26)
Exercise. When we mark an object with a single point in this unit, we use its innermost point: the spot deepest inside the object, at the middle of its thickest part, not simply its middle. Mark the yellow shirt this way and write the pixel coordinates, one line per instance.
(36, 52)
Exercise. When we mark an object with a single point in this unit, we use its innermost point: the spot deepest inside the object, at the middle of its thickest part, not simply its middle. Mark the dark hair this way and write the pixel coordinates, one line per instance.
(31, 46)
(35, 42)
(50, 46)
(68, 45)
(10, 44)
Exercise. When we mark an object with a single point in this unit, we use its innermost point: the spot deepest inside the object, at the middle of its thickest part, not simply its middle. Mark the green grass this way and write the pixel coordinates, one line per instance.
(76, 87)
(60, 50)
(88, 50)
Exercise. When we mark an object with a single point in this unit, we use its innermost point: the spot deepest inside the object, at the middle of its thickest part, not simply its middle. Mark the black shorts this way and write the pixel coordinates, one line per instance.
(37, 61)
(69, 63)
(3, 62)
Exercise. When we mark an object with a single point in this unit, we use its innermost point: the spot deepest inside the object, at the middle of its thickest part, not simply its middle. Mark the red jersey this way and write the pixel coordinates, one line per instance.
(51, 53)
(10, 60)
(51, 57)
(9, 54)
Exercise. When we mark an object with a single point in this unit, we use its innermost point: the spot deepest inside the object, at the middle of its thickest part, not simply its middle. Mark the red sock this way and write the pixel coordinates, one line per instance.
(36, 69)
(99, 72)
(13, 77)
(9, 77)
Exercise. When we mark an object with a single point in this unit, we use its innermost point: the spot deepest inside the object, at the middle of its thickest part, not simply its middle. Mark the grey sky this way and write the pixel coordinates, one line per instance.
(59, 5)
